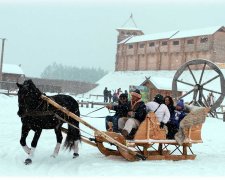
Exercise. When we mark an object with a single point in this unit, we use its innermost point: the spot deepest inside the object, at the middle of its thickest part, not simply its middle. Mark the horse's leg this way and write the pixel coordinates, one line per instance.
(33, 146)
(75, 149)
(24, 134)
(59, 138)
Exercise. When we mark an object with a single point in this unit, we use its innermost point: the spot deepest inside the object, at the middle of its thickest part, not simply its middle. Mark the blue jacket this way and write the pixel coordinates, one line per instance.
(177, 117)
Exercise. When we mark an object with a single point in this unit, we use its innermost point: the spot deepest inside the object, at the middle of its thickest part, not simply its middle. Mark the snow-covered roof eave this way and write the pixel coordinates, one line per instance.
(128, 28)
(125, 40)
(175, 34)
(151, 37)
(197, 32)
(12, 69)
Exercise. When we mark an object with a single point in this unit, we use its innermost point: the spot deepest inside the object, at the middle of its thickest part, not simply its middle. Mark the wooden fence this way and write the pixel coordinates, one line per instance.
(91, 104)
(95, 95)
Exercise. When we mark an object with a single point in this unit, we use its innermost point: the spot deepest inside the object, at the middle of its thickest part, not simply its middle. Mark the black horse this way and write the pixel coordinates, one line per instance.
(36, 114)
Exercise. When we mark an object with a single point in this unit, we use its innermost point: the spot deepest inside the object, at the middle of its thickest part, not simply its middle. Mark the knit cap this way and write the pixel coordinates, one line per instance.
(158, 98)
(180, 103)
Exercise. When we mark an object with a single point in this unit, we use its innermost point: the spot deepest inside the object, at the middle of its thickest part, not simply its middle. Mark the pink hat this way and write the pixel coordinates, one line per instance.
(136, 93)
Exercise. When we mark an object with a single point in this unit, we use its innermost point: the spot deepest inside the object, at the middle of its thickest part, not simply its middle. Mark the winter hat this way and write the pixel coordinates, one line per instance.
(159, 98)
(136, 93)
(181, 103)
(123, 95)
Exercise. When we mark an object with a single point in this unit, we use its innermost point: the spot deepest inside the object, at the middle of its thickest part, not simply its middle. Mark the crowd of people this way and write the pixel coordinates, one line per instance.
(129, 114)
(109, 97)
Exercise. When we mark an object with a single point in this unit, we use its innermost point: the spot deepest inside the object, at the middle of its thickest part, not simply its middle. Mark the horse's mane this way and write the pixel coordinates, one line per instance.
(29, 83)
(28, 96)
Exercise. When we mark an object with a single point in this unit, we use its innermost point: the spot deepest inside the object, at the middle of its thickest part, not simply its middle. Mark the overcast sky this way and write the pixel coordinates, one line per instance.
(83, 33)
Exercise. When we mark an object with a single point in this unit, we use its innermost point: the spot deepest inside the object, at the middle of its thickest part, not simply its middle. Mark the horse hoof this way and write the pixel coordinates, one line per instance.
(53, 156)
(75, 155)
(28, 161)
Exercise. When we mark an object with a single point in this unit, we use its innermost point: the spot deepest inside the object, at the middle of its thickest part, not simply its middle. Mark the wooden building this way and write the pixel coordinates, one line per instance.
(159, 85)
(169, 50)
(12, 73)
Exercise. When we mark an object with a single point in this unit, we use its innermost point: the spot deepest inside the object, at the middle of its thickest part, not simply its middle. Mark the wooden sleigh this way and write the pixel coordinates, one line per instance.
(149, 141)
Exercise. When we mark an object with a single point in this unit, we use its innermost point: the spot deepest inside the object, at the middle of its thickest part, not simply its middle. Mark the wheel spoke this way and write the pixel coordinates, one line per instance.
(202, 73)
(210, 80)
(192, 74)
(212, 91)
(189, 92)
(206, 102)
(200, 97)
(185, 82)
(195, 95)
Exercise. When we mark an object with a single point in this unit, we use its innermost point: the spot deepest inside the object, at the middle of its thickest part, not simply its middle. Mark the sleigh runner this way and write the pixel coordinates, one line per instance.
(149, 141)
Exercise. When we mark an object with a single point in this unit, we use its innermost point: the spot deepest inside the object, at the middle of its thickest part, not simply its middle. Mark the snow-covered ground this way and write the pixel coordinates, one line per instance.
(210, 160)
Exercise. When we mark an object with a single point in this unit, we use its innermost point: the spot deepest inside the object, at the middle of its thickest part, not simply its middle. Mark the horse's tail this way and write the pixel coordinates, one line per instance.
(73, 133)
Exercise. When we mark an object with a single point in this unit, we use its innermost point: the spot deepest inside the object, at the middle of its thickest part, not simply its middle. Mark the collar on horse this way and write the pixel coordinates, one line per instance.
(38, 113)
(43, 112)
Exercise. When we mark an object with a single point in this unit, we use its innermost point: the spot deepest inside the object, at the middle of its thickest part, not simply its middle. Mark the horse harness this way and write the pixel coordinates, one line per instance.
(43, 112)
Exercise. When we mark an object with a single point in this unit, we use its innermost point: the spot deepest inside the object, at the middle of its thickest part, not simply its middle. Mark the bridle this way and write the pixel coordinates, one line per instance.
(35, 111)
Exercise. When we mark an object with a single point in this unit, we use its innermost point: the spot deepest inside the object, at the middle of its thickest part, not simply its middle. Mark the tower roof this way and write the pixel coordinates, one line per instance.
(129, 25)
(128, 28)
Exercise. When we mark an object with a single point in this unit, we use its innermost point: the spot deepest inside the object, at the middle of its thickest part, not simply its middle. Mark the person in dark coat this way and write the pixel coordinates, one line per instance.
(115, 97)
(174, 122)
(105, 94)
(121, 111)
(125, 92)
(170, 104)
(136, 115)
(109, 96)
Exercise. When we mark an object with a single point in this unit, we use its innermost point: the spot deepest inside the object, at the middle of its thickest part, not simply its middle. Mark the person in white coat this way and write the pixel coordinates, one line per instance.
(161, 110)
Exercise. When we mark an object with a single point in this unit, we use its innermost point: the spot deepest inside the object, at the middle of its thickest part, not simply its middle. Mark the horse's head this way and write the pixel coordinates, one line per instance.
(29, 97)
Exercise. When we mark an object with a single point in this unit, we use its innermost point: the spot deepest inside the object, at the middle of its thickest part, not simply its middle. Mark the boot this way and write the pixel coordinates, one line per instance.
(124, 133)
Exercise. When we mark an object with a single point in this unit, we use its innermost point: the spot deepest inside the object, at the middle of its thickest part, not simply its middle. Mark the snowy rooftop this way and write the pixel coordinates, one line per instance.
(12, 69)
(196, 32)
(121, 79)
(150, 37)
(174, 34)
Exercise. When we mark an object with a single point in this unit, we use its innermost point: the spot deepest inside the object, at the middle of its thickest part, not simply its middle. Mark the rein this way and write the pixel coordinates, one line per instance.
(93, 117)
(95, 110)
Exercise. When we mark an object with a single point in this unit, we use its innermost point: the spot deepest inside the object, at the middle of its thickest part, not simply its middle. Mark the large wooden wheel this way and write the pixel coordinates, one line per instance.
(198, 84)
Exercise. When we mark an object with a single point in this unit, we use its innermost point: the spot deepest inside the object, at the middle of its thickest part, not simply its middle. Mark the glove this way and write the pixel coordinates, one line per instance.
(109, 106)
(161, 125)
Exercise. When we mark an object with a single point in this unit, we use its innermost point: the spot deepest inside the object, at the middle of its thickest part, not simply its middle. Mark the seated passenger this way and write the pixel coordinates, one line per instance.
(168, 101)
(135, 116)
(161, 110)
(173, 124)
(121, 111)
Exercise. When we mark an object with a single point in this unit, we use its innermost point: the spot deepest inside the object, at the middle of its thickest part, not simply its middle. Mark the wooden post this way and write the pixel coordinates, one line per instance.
(87, 104)
(92, 104)
(1, 64)
(160, 147)
(184, 149)
(81, 103)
